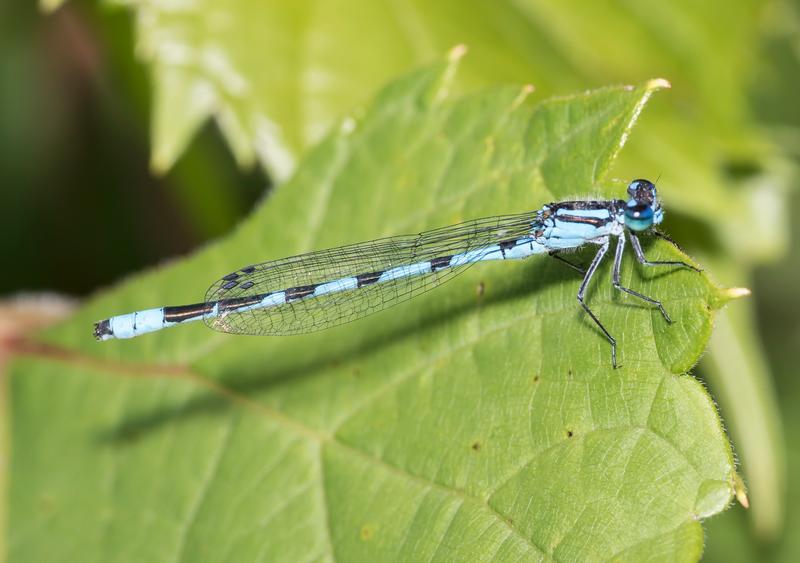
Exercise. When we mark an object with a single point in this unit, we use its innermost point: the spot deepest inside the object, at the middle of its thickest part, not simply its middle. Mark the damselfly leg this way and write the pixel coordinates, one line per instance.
(582, 293)
(556, 254)
(637, 249)
(615, 277)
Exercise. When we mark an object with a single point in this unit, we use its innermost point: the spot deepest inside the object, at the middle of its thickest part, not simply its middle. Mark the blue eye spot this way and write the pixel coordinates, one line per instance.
(638, 216)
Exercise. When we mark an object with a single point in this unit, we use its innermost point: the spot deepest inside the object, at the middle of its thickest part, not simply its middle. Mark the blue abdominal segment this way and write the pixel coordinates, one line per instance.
(150, 320)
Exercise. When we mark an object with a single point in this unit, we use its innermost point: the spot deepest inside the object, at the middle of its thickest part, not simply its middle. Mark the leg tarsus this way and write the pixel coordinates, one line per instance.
(646, 298)
(615, 279)
(637, 249)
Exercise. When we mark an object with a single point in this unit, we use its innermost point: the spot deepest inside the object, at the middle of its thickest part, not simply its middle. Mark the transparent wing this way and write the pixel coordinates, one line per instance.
(302, 273)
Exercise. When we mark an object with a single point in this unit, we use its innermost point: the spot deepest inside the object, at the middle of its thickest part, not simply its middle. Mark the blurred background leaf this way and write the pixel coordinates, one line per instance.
(74, 149)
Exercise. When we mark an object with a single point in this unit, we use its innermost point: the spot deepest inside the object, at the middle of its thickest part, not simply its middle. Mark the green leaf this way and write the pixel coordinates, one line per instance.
(741, 384)
(479, 421)
(296, 65)
(276, 75)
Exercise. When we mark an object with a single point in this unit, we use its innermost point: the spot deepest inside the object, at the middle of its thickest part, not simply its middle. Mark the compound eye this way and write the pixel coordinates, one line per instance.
(638, 216)
(642, 190)
(633, 187)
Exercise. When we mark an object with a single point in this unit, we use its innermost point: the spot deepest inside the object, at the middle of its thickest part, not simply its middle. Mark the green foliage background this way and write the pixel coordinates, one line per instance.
(724, 140)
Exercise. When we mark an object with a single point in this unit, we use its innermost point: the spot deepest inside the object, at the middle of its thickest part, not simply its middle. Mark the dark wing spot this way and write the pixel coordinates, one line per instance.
(230, 285)
(231, 276)
(249, 270)
(246, 285)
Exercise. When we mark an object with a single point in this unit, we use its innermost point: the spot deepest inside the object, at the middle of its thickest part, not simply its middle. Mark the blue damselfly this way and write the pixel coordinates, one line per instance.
(323, 289)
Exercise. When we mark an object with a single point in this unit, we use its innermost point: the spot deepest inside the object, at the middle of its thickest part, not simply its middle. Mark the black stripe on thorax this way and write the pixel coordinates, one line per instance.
(582, 205)
(594, 221)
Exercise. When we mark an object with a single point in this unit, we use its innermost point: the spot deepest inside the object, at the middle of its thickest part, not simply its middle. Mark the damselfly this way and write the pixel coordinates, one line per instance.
(323, 289)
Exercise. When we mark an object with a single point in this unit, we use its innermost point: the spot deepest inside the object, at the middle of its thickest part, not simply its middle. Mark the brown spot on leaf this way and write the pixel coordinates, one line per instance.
(366, 532)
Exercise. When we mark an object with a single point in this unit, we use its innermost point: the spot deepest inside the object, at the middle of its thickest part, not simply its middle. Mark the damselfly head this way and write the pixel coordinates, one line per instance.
(643, 209)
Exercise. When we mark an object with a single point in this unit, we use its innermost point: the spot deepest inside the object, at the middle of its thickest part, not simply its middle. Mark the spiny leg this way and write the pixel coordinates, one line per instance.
(555, 254)
(637, 249)
(582, 292)
(667, 238)
(615, 278)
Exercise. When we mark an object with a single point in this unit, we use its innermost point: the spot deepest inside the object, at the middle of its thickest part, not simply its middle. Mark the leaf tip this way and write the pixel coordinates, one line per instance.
(454, 57)
(160, 162)
(741, 493)
(723, 295)
(526, 91)
(735, 293)
(659, 84)
(457, 52)
(181, 103)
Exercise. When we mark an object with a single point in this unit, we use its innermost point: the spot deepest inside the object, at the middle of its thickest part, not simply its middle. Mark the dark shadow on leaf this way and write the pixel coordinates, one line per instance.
(136, 426)
(262, 378)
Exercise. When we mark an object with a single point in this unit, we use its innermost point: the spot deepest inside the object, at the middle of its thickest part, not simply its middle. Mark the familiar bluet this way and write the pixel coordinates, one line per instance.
(319, 290)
